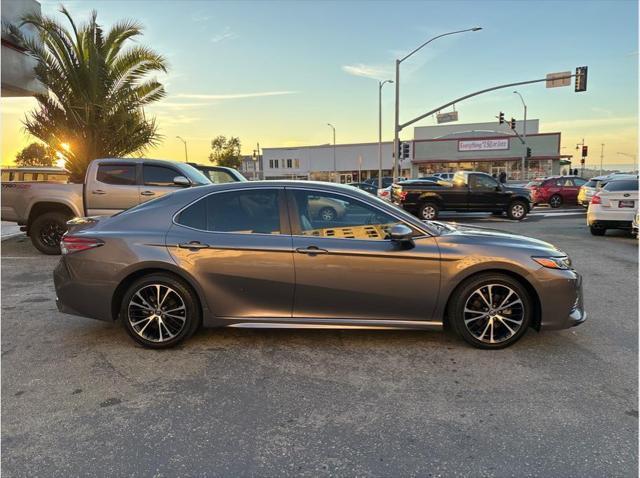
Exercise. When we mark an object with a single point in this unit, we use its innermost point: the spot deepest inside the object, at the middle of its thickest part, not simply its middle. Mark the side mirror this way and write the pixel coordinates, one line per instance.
(181, 181)
(401, 233)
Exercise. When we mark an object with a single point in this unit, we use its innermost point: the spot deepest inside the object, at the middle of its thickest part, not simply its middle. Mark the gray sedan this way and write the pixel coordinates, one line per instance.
(253, 255)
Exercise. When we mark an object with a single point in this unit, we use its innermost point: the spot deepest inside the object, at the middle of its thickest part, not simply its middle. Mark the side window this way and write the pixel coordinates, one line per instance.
(567, 183)
(254, 211)
(331, 215)
(120, 174)
(480, 181)
(158, 175)
(220, 177)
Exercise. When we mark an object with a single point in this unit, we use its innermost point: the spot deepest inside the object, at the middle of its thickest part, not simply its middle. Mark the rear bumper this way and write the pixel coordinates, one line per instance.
(610, 217)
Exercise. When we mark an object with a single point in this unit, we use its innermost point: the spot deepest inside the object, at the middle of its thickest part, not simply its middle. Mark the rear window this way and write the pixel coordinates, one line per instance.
(120, 174)
(622, 185)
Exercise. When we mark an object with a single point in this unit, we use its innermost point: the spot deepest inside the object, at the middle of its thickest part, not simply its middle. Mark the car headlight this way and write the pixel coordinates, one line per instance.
(554, 262)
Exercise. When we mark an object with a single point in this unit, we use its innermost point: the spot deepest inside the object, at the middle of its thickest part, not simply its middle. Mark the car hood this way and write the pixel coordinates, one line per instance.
(481, 236)
(517, 190)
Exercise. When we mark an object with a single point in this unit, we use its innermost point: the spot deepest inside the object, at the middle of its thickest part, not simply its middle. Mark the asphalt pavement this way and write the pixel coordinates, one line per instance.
(79, 398)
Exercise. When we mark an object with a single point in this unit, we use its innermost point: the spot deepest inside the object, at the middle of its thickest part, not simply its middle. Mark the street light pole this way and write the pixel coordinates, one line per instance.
(380, 85)
(186, 157)
(397, 128)
(525, 174)
(601, 157)
(335, 172)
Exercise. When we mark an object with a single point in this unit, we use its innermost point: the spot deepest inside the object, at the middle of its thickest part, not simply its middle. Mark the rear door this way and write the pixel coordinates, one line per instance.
(113, 189)
(237, 246)
(157, 181)
(571, 188)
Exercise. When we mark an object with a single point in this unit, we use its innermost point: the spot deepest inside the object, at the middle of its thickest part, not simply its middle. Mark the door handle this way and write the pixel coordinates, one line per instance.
(193, 245)
(311, 250)
(98, 191)
(148, 193)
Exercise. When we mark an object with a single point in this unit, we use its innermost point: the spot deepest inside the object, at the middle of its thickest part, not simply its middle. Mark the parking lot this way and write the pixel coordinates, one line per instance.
(79, 398)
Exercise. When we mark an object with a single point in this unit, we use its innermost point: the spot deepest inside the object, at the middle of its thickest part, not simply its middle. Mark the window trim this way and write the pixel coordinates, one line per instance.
(295, 222)
(136, 178)
(285, 226)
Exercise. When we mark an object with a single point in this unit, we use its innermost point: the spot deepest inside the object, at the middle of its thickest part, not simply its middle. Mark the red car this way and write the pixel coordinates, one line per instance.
(555, 190)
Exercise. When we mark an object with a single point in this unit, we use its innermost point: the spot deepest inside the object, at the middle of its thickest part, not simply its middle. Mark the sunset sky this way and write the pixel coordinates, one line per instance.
(277, 72)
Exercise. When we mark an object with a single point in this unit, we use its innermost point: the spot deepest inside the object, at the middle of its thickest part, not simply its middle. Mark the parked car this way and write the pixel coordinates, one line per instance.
(635, 224)
(469, 192)
(219, 174)
(595, 184)
(249, 255)
(110, 186)
(385, 193)
(556, 190)
(445, 176)
(370, 188)
(386, 181)
(613, 207)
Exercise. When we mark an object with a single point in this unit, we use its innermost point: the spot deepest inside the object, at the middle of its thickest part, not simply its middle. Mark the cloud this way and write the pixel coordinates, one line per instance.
(232, 96)
(375, 72)
(226, 34)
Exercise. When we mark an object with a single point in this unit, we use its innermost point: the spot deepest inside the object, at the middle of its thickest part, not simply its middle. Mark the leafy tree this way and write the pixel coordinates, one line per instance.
(97, 86)
(226, 152)
(35, 154)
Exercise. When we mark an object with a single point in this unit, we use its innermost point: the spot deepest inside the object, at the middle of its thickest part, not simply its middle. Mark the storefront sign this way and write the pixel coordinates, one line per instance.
(483, 144)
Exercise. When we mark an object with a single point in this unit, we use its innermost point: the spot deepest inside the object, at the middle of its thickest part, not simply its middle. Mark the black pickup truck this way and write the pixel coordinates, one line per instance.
(468, 192)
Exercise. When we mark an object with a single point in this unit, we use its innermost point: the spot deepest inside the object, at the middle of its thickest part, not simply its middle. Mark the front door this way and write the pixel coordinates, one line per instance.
(346, 268)
(157, 181)
(237, 246)
(486, 194)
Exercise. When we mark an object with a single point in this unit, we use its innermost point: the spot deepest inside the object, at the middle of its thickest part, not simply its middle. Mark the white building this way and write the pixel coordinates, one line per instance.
(488, 147)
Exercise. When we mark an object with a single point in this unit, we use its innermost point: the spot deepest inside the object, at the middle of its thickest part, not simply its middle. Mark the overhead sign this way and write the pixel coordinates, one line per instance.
(447, 117)
(555, 80)
(483, 144)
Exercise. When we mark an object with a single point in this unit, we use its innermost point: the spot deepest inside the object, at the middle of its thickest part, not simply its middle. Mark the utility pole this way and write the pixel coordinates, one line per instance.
(186, 157)
(380, 85)
(525, 172)
(601, 157)
(583, 156)
(335, 171)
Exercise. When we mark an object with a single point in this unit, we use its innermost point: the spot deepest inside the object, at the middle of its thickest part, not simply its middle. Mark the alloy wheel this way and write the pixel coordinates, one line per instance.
(517, 211)
(51, 234)
(555, 201)
(428, 212)
(493, 313)
(157, 313)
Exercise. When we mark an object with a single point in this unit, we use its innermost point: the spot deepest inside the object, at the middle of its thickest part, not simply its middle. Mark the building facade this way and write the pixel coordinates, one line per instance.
(487, 147)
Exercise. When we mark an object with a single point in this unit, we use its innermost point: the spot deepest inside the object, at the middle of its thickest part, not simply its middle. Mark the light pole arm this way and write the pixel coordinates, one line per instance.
(435, 38)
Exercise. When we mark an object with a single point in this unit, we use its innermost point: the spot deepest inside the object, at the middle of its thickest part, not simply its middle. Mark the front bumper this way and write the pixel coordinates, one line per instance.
(561, 299)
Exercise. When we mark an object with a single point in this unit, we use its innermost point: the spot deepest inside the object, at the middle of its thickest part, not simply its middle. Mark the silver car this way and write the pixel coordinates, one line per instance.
(254, 255)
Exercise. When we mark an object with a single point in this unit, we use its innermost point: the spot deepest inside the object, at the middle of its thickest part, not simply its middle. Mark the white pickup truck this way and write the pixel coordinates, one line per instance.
(110, 186)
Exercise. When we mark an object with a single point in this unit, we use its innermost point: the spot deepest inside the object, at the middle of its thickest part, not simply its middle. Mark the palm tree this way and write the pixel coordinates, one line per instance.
(97, 86)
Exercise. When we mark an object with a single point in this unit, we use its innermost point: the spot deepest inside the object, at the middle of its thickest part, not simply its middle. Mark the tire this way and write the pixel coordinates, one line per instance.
(517, 210)
(597, 231)
(555, 201)
(497, 331)
(160, 329)
(47, 230)
(327, 214)
(428, 211)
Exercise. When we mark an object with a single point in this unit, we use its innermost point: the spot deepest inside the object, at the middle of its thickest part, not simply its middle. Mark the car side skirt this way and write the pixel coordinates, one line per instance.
(320, 323)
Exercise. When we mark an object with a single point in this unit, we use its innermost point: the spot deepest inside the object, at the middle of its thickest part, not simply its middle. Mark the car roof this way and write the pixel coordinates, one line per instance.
(140, 160)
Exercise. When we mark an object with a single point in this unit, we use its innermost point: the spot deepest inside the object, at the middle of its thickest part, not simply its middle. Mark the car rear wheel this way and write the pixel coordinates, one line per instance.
(491, 311)
(328, 214)
(46, 232)
(428, 211)
(555, 201)
(517, 210)
(597, 230)
(160, 311)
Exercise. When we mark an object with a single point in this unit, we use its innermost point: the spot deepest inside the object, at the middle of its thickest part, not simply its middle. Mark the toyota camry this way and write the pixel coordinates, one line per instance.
(254, 254)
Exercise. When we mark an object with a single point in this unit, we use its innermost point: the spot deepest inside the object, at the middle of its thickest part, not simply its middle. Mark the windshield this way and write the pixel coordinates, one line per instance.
(622, 185)
(194, 175)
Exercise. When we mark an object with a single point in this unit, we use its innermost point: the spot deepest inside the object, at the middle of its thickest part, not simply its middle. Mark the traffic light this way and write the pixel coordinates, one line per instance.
(501, 118)
(528, 153)
(581, 79)
(404, 150)
(512, 123)
(585, 150)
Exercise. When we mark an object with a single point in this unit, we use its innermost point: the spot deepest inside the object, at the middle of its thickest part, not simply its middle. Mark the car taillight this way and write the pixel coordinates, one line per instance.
(595, 199)
(71, 244)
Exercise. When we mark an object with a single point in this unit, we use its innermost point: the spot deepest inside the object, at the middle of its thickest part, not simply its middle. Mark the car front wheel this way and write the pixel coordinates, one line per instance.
(160, 311)
(555, 201)
(491, 311)
(517, 210)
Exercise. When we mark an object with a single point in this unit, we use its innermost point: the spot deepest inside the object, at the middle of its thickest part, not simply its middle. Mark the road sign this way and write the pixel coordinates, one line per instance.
(555, 80)
(447, 117)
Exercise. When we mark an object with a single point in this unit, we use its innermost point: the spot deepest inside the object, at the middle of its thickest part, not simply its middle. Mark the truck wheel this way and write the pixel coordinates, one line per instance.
(47, 230)
(517, 210)
(555, 201)
(428, 211)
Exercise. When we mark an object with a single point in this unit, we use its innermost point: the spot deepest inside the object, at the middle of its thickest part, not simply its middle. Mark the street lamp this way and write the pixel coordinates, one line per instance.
(186, 157)
(629, 155)
(380, 85)
(525, 174)
(335, 171)
(396, 128)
